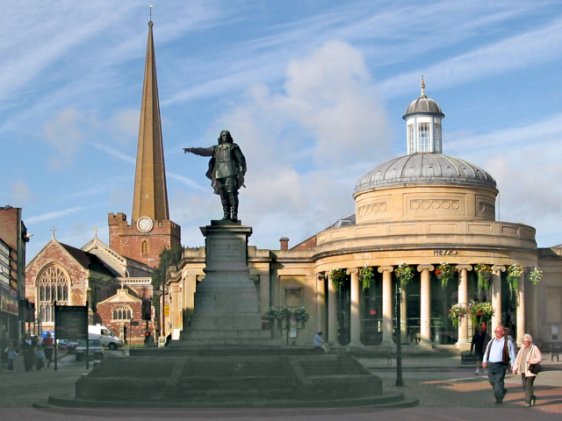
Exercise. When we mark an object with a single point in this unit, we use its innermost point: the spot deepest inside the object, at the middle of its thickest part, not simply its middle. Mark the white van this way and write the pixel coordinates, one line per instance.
(105, 335)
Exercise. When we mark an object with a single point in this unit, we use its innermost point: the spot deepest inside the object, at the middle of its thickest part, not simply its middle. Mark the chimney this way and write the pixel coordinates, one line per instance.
(284, 242)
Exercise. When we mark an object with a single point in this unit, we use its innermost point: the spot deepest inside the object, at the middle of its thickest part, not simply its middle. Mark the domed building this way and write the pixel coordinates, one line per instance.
(425, 233)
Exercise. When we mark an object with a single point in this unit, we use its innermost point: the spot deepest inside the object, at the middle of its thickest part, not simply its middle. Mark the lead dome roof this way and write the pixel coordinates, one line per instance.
(425, 168)
(423, 105)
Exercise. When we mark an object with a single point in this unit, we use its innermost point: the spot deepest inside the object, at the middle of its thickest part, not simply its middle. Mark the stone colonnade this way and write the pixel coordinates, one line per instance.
(425, 305)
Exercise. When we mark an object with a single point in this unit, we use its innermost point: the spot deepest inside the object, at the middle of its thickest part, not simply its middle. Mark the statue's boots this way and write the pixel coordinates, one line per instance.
(226, 212)
(234, 208)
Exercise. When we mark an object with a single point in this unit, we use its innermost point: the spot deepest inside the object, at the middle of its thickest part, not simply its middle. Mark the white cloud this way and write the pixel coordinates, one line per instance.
(525, 50)
(21, 193)
(328, 116)
(114, 152)
(64, 133)
(125, 125)
(49, 216)
(525, 162)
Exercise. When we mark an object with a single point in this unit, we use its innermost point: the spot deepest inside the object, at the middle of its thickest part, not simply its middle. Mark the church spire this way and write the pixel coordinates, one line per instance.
(150, 198)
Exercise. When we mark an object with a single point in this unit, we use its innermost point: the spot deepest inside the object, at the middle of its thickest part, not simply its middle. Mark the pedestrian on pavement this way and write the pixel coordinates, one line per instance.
(479, 341)
(148, 340)
(11, 355)
(499, 356)
(28, 350)
(39, 357)
(527, 355)
(318, 342)
(48, 346)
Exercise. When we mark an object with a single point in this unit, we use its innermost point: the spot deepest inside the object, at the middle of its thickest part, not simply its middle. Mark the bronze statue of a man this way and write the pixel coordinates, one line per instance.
(227, 168)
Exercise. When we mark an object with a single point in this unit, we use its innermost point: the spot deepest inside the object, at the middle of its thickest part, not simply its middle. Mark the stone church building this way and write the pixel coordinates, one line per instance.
(425, 211)
(115, 279)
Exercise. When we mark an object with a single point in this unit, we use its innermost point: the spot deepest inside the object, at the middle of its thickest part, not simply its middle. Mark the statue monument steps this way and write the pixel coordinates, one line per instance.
(293, 378)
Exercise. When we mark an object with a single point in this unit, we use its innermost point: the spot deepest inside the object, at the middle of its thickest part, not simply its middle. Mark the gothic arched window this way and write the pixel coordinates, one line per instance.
(122, 313)
(52, 285)
(144, 247)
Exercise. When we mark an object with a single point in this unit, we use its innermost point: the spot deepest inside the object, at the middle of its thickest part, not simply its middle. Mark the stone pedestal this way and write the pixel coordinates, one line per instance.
(226, 301)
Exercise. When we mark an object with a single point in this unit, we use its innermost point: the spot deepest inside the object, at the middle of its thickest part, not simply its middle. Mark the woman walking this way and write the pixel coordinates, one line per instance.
(527, 355)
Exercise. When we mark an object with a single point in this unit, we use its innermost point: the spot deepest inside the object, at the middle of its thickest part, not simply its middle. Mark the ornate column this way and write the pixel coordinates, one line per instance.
(520, 311)
(425, 304)
(386, 304)
(332, 336)
(189, 288)
(263, 285)
(320, 303)
(175, 314)
(463, 335)
(496, 296)
(355, 319)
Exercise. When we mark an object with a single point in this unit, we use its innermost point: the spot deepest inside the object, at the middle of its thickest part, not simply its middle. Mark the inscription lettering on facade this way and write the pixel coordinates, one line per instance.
(445, 252)
(226, 251)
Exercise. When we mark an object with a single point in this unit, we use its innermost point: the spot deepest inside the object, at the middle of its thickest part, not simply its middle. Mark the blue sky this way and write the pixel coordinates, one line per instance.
(313, 91)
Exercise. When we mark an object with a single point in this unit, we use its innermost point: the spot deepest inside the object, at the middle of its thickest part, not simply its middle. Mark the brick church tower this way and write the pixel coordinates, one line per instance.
(150, 229)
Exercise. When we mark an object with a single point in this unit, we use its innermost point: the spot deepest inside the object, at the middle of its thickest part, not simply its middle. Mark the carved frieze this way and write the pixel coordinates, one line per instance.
(435, 204)
(372, 208)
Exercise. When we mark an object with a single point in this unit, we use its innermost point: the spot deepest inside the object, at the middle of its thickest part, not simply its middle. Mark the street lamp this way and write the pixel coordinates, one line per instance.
(399, 381)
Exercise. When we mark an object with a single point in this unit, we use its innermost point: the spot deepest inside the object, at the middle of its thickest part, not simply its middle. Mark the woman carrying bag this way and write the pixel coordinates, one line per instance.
(528, 358)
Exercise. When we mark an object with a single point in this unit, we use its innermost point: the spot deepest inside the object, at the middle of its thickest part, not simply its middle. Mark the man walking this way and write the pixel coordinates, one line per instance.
(500, 354)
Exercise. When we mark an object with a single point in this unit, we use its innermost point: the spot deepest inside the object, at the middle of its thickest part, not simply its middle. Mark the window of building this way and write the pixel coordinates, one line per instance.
(423, 131)
(437, 136)
(144, 247)
(52, 285)
(411, 141)
(122, 313)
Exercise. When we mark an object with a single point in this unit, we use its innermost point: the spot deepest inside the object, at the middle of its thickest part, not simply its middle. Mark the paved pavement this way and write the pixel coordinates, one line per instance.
(446, 390)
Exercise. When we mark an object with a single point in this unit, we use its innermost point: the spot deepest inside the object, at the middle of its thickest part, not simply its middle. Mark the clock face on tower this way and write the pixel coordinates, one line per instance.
(144, 224)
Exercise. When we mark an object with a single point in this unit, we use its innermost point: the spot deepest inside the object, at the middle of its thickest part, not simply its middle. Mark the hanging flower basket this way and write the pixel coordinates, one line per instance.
(272, 313)
(278, 313)
(484, 273)
(482, 310)
(535, 275)
(404, 274)
(366, 277)
(338, 277)
(514, 273)
(456, 313)
(445, 272)
(300, 315)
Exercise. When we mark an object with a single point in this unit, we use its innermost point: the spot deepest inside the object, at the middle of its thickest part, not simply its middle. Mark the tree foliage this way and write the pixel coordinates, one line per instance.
(168, 257)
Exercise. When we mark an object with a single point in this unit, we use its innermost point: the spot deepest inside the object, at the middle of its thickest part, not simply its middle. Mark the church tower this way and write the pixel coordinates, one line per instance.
(150, 229)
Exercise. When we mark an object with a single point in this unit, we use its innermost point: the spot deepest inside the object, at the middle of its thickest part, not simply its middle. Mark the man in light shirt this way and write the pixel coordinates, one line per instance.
(499, 356)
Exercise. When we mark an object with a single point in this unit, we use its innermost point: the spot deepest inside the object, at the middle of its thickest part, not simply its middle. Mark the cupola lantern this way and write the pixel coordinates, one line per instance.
(423, 124)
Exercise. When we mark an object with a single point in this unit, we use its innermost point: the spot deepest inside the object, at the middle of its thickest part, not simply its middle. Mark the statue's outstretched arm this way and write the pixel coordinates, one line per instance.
(200, 151)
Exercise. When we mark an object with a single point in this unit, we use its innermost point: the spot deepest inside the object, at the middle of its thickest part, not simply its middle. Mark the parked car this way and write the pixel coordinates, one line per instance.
(67, 344)
(95, 349)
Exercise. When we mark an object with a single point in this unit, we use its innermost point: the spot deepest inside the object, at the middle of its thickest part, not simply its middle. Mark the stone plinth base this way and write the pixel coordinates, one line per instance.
(226, 302)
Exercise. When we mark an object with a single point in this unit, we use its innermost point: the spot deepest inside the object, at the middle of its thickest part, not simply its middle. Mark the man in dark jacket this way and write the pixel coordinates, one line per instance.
(478, 345)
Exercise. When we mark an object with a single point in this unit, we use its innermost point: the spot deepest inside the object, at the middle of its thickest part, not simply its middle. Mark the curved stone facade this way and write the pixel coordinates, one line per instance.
(421, 210)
